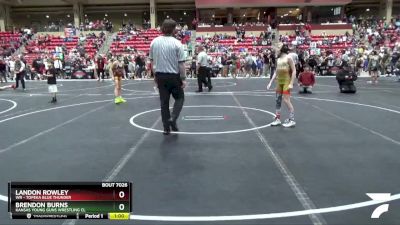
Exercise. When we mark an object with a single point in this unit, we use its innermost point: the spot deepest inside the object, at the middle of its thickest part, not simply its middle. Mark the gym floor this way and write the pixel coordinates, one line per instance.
(227, 165)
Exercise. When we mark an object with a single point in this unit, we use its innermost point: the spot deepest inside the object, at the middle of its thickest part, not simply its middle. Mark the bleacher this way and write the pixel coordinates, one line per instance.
(140, 41)
(89, 45)
(7, 38)
(246, 45)
(33, 50)
(337, 47)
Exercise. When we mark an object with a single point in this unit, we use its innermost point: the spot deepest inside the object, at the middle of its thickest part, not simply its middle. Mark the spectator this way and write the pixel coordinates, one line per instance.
(306, 81)
(52, 83)
(100, 64)
(11, 66)
(58, 67)
(139, 66)
(3, 67)
(20, 73)
(373, 67)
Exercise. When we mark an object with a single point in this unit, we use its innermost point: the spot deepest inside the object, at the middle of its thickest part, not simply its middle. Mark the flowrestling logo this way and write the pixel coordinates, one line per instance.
(381, 208)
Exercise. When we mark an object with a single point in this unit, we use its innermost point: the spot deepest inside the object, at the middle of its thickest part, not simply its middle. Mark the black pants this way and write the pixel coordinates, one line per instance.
(3, 76)
(139, 71)
(272, 72)
(204, 77)
(21, 77)
(60, 73)
(170, 84)
(126, 68)
(100, 71)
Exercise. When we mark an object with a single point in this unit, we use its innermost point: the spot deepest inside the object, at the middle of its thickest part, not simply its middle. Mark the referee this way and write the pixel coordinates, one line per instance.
(168, 60)
(204, 76)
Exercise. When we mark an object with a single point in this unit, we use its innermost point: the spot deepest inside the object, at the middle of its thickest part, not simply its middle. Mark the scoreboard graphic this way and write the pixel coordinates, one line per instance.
(70, 200)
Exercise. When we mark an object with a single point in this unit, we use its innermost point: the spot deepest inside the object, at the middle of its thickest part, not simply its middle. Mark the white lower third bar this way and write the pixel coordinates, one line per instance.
(203, 118)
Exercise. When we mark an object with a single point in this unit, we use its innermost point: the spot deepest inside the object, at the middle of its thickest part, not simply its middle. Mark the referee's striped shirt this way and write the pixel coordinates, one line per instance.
(166, 52)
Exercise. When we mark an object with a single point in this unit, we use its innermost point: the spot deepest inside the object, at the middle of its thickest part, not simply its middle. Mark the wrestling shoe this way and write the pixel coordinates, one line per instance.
(276, 122)
(122, 100)
(289, 123)
(117, 100)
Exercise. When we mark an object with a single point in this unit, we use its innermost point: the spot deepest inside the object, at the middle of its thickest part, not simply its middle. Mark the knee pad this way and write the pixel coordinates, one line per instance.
(278, 100)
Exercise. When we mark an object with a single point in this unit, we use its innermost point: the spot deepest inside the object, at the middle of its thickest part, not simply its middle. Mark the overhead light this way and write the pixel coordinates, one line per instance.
(290, 11)
(85, 15)
(125, 14)
(184, 13)
(281, 16)
(244, 14)
(265, 12)
(297, 9)
(367, 10)
(68, 15)
(47, 16)
(213, 15)
(167, 16)
(286, 14)
(105, 15)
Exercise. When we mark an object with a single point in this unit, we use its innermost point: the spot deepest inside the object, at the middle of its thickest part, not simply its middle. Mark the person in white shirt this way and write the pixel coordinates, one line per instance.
(58, 66)
(203, 70)
(20, 72)
(11, 65)
(296, 61)
(168, 63)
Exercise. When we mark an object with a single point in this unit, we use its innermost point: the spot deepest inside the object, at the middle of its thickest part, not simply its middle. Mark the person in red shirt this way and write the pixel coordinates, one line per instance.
(100, 67)
(309, 28)
(194, 23)
(306, 81)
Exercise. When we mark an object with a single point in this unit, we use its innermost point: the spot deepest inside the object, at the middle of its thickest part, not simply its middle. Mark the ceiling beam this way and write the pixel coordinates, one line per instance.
(75, 1)
(5, 2)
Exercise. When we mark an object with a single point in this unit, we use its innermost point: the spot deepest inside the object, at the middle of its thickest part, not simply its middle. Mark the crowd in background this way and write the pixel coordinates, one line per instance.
(373, 44)
(86, 25)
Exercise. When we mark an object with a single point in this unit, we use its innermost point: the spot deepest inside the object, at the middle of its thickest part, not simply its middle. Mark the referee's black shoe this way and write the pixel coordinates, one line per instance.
(173, 125)
(167, 131)
(210, 88)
